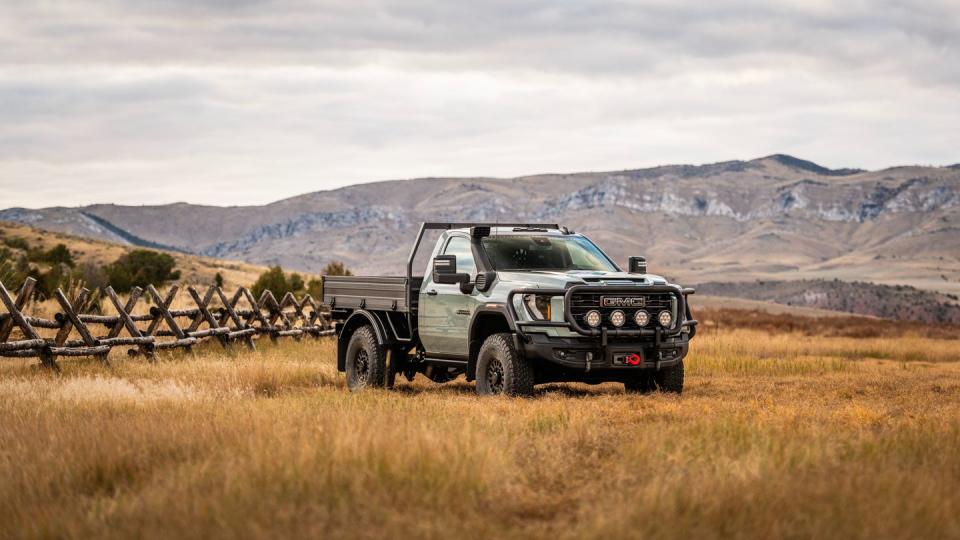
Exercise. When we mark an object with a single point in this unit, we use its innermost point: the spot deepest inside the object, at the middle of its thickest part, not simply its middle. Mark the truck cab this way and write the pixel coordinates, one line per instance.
(511, 306)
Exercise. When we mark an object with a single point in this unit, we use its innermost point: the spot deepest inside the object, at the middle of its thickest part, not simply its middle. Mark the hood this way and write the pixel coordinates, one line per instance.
(559, 280)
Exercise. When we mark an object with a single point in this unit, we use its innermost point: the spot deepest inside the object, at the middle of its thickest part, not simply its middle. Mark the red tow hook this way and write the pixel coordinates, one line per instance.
(634, 359)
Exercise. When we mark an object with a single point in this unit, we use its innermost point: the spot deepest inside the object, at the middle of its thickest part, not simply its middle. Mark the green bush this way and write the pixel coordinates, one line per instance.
(13, 270)
(315, 289)
(333, 268)
(17, 243)
(58, 254)
(275, 281)
(336, 268)
(141, 267)
(91, 275)
(279, 283)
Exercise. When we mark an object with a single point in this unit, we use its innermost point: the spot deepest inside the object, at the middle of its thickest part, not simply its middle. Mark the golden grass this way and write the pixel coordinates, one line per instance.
(776, 436)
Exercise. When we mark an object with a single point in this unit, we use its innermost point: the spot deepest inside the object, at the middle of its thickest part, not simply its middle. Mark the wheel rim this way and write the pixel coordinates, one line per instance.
(495, 376)
(361, 367)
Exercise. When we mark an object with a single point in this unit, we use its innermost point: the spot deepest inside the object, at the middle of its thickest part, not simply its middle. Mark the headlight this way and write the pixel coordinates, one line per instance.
(617, 318)
(538, 306)
(665, 319)
(592, 318)
(641, 317)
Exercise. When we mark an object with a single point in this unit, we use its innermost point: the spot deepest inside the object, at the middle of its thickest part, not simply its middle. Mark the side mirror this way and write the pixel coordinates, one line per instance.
(445, 272)
(637, 265)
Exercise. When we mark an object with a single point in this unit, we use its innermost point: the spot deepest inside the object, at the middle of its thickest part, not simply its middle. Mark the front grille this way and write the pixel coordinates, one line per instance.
(581, 303)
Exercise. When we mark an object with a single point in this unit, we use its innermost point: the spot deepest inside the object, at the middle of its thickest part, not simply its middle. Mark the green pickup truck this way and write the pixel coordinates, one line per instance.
(511, 306)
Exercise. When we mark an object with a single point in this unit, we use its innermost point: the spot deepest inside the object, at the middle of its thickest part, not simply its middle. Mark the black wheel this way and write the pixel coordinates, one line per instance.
(366, 361)
(643, 383)
(670, 379)
(501, 369)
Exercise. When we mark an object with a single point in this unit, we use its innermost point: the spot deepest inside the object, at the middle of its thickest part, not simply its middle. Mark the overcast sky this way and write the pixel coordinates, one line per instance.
(249, 101)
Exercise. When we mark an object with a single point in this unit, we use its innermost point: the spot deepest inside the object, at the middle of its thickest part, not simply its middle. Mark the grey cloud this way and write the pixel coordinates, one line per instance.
(589, 36)
(194, 97)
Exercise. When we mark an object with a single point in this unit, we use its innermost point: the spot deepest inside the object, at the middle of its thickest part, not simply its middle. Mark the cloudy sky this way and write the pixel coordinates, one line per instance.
(249, 101)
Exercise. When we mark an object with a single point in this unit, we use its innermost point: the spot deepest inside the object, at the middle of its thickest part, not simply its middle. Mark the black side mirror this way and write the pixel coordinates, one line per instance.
(445, 272)
(637, 265)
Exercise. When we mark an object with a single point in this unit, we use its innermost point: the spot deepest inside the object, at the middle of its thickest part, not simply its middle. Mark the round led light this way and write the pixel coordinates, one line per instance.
(665, 319)
(592, 318)
(617, 318)
(641, 317)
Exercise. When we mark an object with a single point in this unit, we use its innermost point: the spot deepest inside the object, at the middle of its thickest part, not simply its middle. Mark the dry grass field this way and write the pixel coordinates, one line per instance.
(785, 434)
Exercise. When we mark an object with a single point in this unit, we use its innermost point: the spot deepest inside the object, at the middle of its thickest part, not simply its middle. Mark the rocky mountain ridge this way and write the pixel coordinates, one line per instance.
(777, 217)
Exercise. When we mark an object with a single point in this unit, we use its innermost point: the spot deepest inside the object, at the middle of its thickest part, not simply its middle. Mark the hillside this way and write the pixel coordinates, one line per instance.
(194, 269)
(773, 218)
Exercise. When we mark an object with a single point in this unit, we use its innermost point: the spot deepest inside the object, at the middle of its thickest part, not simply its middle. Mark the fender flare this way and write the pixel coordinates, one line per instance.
(358, 318)
(499, 310)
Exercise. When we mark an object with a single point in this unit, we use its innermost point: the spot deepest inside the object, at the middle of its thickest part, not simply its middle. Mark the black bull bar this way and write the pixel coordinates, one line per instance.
(603, 332)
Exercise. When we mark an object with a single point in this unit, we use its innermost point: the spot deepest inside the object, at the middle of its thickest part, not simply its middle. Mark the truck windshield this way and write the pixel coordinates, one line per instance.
(545, 253)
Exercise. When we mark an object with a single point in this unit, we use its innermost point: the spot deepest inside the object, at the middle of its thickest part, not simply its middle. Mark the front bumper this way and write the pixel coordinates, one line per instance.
(594, 355)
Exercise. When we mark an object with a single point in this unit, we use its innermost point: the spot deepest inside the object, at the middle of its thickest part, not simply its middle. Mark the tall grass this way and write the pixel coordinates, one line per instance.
(776, 436)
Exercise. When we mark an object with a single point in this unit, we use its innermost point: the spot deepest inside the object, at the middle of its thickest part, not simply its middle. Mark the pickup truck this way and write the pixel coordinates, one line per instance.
(511, 306)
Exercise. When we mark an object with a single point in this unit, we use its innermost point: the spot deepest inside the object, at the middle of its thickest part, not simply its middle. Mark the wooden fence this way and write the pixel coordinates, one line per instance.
(162, 328)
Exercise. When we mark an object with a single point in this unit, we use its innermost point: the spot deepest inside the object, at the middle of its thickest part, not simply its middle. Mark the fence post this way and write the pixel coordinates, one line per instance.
(125, 321)
(23, 298)
(70, 314)
(204, 314)
(231, 312)
(46, 357)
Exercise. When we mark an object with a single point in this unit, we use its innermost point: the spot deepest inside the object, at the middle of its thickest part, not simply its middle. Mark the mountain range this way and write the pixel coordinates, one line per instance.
(772, 218)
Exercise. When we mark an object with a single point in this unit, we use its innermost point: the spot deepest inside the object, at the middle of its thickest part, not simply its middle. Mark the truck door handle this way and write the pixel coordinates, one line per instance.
(431, 293)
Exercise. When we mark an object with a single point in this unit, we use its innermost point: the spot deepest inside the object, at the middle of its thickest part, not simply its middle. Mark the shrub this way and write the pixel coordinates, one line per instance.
(272, 280)
(59, 276)
(336, 268)
(141, 267)
(91, 275)
(315, 289)
(295, 282)
(17, 243)
(58, 254)
(275, 281)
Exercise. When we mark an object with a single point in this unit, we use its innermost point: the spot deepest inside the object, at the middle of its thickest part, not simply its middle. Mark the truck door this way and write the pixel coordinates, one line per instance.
(444, 312)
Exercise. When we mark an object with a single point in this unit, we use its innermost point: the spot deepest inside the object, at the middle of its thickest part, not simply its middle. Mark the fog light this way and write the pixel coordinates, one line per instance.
(592, 318)
(617, 318)
(665, 319)
(641, 317)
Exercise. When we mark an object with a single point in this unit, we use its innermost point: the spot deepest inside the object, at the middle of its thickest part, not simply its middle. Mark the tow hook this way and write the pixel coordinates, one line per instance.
(589, 359)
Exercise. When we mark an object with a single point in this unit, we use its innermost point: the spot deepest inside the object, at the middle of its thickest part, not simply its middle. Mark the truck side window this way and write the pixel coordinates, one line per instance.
(460, 247)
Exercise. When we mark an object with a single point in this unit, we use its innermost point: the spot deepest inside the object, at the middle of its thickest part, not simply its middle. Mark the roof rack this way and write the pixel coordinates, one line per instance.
(431, 225)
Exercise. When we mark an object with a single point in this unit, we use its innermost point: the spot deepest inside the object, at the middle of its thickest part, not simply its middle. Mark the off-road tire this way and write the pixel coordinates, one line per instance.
(643, 383)
(366, 361)
(501, 369)
(670, 379)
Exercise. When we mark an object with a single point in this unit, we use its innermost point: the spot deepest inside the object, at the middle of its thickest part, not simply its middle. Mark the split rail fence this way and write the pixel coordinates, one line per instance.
(161, 328)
